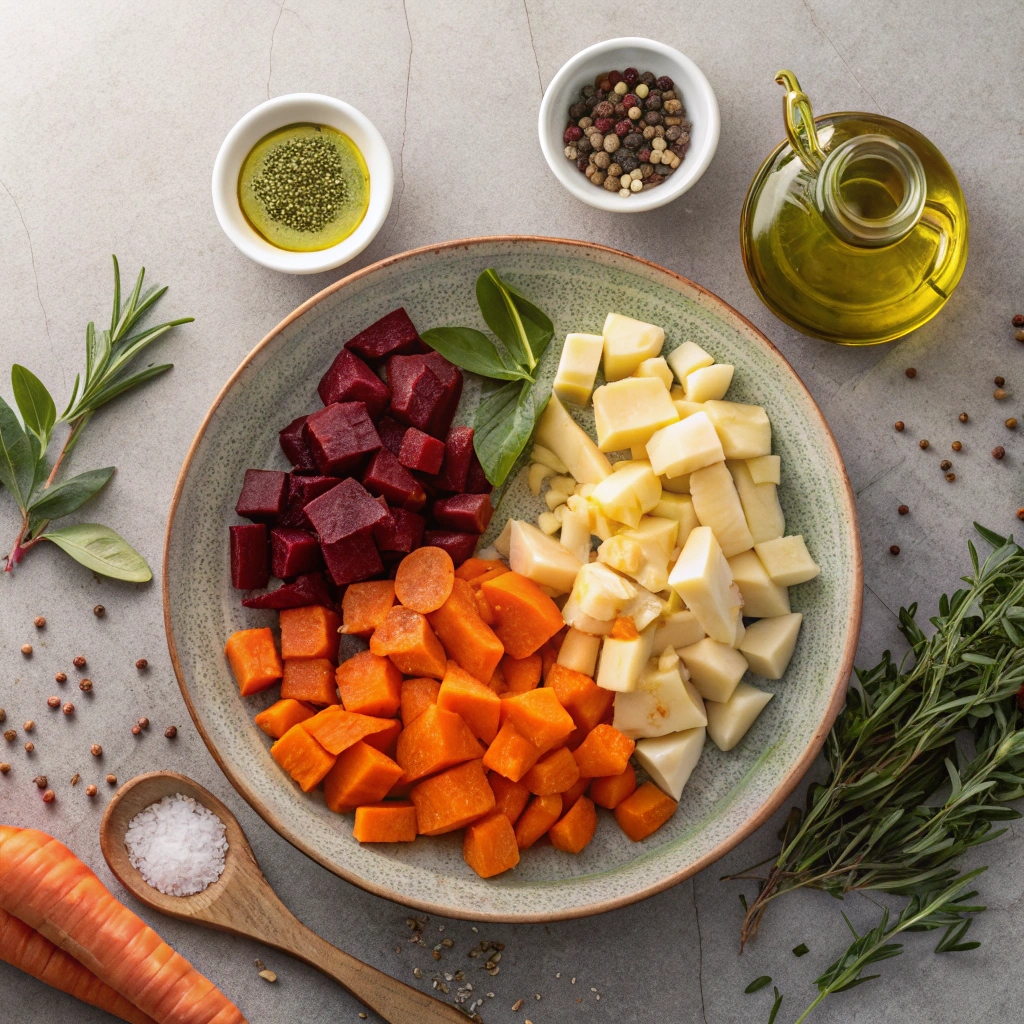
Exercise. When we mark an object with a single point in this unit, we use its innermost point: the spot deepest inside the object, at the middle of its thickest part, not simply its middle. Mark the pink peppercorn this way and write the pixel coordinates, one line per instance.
(630, 100)
(603, 125)
(615, 77)
(631, 76)
(623, 128)
(664, 83)
(572, 133)
(644, 155)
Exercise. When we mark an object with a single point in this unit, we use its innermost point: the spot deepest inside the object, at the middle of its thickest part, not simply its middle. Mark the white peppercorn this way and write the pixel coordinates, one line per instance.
(658, 143)
(635, 185)
(655, 156)
(634, 113)
(602, 160)
(571, 153)
(649, 132)
(611, 184)
(621, 88)
(596, 139)
(611, 142)
(585, 123)
(624, 180)
(597, 178)
(641, 90)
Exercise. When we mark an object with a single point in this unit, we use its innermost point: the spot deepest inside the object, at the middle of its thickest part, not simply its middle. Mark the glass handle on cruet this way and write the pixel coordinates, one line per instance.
(799, 118)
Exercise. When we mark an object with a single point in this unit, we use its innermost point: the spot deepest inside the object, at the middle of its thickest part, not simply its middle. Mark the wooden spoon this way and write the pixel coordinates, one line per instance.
(242, 902)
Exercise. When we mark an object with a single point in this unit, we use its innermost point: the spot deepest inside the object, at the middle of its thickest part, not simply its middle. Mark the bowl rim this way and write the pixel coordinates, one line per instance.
(613, 202)
(768, 807)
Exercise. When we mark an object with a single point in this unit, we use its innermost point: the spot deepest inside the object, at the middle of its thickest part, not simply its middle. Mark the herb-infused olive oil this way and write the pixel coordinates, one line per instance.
(304, 187)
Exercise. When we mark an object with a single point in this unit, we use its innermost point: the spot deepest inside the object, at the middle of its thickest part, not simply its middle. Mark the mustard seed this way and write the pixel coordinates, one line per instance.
(79, 661)
(10, 735)
(903, 510)
(53, 702)
(911, 372)
(899, 425)
(39, 622)
(136, 730)
(85, 686)
(1019, 335)
(112, 780)
(956, 446)
(999, 381)
(142, 664)
(69, 708)
(49, 796)
(4, 768)
(171, 731)
(29, 747)
(894, 549)
(998, 452)
(40, 781)
(96, 750)
(61, 677)
(1011, 423)
(963, 417)
(91, 790)
(922, 444)
(999, 394)
(29, 725)
(26, 649)
(950, 477)
(143, 722)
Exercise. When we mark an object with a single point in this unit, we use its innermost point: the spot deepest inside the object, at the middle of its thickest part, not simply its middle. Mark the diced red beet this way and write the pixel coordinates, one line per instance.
(295, 447)
(340, 436)
(404, 533)
(425, 391)
(386, 476)
(450, 377)
(391, 434)
(392, 335)
(263, 494)
(421, 451)
(353, 558)
(468, 512)
(306, 590)
(459, 545)
(294, 552)
(350, 380)
(476, 479)
(458, 454)
(301, 491)
(250, 556)
(343, 511)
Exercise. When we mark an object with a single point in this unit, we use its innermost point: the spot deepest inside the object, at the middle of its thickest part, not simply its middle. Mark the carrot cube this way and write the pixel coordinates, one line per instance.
(610, 790)
(417, 696)
(605, 751)
(369, 685)
(522, 674)
(510, 797)
(475, 703)
(534, 822)
(452, 799)
(302, 757)
(511, 754)
(574, 792)
(497, 682)
(310, 632)
(361, 775)
(483, 609)
(436, 740)
(549, 657)
(644, 811)
(310, 679)
(539, 716)
(387, 822)
(465, 635)
(585, 701)
(554, 773)
(253, 659)
(365, 605)
(407, 639)
(524, 615)
(489, 845)
(280, 717)
(576, 828)
(386, 741)
(336, 729)
(474, 568)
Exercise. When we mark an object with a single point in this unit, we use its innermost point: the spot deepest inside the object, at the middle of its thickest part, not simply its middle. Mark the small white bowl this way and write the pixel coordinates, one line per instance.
(309, 108)
(646, 55)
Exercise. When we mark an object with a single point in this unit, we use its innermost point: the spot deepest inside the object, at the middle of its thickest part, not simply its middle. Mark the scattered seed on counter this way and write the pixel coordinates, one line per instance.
(3, 716)
(518, 1005)
(894, 549)
(998, 452)
(99, 611)
(26, 649)
(10, 735)
(79, 661)
(910, 372)
(29, 725)
(899, 425)
(39, 622)
(999, 394)
(4, 767)
(75, 779)
(963, 417)
(268, 975)
(69, 708)
(1020, 513)
(1019, 335)
(53, 702)
(945, 464)
(96, 750)
(922, 444)
(112, 780)
(40, 781)
(136, 730)
(29, 747)
(999, 381)
(903, 510)
(1010, 424)
(91, 790)
(143, 722)
(61, 677)
(85, 686)
(171, 732)
(49, 796)
(142, 664)
(950, 477)
(956, 445)
(1018, 320)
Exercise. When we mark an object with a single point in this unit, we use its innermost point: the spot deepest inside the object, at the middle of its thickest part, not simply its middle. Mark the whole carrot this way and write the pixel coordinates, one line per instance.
(48, 888)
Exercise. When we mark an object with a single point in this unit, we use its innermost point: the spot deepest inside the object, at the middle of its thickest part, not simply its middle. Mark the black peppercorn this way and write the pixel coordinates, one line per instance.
(998, 452)
(648, 79)
(653, 117)
(653, 102)
(945, 464)
(627, 161)
(665, 82)
(586, 92)
(903, 510)
(894, 549)
(634, 140)
(578, 110)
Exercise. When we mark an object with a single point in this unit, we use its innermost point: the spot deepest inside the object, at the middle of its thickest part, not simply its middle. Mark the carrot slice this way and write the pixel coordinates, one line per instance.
(310, 679)
(539, 716)
(554, 773)
(365, 605)
(436, 740)
(576, 828)
(336, 729)
(605, 751)
(489, 845)
(425, 579)
(511, 754)
(574, 792)
(369, 685)
(473, 568)
(254, 660)
(524, 615)
(452, 799)
(392, 821)
(610, 790)
(644, 811)
(477, 705)
(535, 821)
(310, 632)
(522, 674)
(302, 758)
(362, 775)
(276, 720)
(465, 635)
(510, 797)
(407, 639)
(585, 701)
(417, 695)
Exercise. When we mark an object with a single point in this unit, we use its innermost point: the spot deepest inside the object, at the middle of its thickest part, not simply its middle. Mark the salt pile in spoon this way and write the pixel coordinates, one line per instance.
(177, 845)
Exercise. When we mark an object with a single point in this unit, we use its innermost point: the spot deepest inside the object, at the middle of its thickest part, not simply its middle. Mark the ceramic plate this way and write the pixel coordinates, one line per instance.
(576, 283)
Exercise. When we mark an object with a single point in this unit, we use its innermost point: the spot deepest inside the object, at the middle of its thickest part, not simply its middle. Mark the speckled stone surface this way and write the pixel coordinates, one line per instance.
(112, 117)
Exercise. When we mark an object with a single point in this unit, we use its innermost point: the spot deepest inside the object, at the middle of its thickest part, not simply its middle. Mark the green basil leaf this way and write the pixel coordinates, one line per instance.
(503, 426)
(519, 325)
(66, 497)
(473, 351)
(34, 403)
(100, 549)
(758, 983)
(17, 457)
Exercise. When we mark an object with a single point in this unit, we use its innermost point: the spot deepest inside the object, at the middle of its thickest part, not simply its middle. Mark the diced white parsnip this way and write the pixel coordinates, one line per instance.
(715, 669)
(686, 358)
(766, 469)
(579, 652)
(489, 553)
(676, 484)
(621, 553)
(761, 597)
(628, 493)
(577, 367)
(555, 498)
(637, 452)
(547, 523)
(622, 661)
(601, 593)
(787, 560)
(670, 760)
(561, 434)
(717, 505)
(685, 446)
(565, 484)
(541, 558)
(678, 629)
(709, 383)
(627, 412)
(559, 510)
(702, 578)
(627, 343)
(760, 503)
(656, 537)
(680, 508)
(502, 543)
(578, 619)
(662, 702)
(656, 367)
(728, 723)
(668, 659)
(644, 608)
(744, 430)
(769, 643)
(547, 458)
(575, 535)
(538, 473)
(685, 408)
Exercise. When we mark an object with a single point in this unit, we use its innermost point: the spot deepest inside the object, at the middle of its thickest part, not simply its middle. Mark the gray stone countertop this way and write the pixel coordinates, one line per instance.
(111, 118)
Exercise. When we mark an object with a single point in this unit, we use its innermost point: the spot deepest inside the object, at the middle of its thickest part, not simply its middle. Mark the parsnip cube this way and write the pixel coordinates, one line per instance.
(621, 553)
(536, 476)
(628, 493)
(637, 453)
(687, 358)
(577, 367)
(661, 703)
(678, 629)
(670, 760)
(575, 536)
(768, 644)
(656, 367)
(709, 383)
(765, 469)
(743, 429)
(622, 661)
(760, 503)
(717, 505)
(547, 458)
(644, 608)
(553, 498)
(685, 446)
(503, 542)
(715, 669)
(656, 538)
(787, 560)
(702, 578)
(676, 484)
(547, 523)
(579, 620)
(683, 407)
(541, 558)
(579, 652)
(627, 412)
(680, 508)
(761, 597)
(561, 434)
(601, 593)
(728, 723)
(627, 343)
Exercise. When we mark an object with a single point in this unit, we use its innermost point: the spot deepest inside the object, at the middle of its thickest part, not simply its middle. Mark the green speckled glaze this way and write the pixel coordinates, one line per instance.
(576, 284)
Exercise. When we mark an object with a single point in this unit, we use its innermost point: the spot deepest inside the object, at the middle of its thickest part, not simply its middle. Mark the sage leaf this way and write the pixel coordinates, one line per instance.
(17, 456)
(502, 428)
(776, 1006)
(66, 497)
(34, 403)
(473, 351)
(519, 325)
(758, 983)
(99, 548)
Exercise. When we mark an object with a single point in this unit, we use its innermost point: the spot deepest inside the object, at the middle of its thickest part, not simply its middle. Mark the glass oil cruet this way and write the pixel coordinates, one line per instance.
(855, 229)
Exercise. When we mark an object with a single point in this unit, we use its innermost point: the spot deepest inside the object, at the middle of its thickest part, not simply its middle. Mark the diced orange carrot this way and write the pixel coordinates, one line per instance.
(576, 828)
(424, 579)
(478, 705)
(497, 682)
(548, 657)
(465, 635)
(310, 632)
(610, 790)
(489, 575)
(539, 816)
(302, 757)
(511, 754)
(369, 685)
(400, 790)
(365, 605)
(559, 638)
(362, 775)
(522, 674)
(280, 717)
(436, 740)
(539, 716)
(524, 615)
(310, 679)
(452, 799)
(336, 729)
(406, 638)
(417, 695)
(472, 568)
(605, 751)
(386, 741)
(554, 773)
(510, 797)
(483, 608)
(585, 701)
(624, 628)
(489, 845)
(644, 811)
(390, 821)
(571, 795)
(253, 659)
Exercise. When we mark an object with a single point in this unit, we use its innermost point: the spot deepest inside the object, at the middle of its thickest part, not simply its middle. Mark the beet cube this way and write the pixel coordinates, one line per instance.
(468, 512)
(343, 511)
(421, 451)
(250, 556)
(459, 545)
(425, 391)
(340, 436)
(353, 558)
(391, 434)
(476, 479)
(295, 447)
(350, 380)
(404, 533)
(386, 476)
(306, 590)
(294, 552)
(301, 491)
(458, 454)
(391, 335)
(450, 377)
(263, 494)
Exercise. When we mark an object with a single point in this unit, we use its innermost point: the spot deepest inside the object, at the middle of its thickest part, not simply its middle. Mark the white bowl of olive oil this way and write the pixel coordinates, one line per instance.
(302, 183)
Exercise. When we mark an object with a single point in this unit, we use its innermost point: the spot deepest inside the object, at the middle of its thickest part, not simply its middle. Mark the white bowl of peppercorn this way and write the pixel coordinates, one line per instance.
(629, 124)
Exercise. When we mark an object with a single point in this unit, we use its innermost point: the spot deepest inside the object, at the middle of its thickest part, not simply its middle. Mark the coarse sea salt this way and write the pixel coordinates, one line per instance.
(177, 845)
